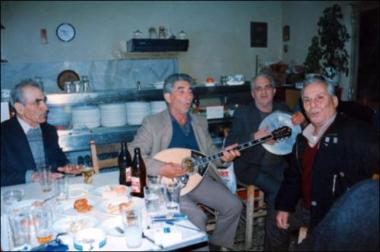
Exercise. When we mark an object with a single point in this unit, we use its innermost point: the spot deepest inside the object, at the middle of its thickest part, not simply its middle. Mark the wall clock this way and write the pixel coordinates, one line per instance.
(65, 32)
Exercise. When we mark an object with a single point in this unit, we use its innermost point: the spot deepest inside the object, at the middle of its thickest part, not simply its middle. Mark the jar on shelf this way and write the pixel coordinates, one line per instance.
(152, 33)
(161, 32)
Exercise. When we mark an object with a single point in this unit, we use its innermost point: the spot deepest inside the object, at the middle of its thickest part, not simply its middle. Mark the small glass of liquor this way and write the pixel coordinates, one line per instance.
(88, 174)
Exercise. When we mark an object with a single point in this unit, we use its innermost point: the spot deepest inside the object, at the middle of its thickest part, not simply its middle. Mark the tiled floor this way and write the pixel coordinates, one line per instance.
(257, 239)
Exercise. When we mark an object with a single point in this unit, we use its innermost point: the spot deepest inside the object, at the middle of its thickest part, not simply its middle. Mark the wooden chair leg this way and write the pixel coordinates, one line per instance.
(249, 220)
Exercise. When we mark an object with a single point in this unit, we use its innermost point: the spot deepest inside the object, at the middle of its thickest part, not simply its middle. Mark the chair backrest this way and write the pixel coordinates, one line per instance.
(104, 156)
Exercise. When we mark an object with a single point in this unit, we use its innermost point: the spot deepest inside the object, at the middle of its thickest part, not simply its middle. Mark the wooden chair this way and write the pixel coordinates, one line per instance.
(109, 153)
(253, 196)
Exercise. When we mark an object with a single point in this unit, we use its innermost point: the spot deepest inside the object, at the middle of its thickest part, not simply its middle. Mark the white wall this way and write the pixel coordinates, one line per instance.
(219, 32)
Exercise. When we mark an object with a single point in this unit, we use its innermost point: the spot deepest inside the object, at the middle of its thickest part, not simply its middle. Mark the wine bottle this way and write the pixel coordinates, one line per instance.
(138, 174)
(125, 163)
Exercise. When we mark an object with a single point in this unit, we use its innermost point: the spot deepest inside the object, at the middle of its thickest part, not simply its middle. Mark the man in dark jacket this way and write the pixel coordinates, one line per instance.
(256, 166)
(27, 141)
(332, 154)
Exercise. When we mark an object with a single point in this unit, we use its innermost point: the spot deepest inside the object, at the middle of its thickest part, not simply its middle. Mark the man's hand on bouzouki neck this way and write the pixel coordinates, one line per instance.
(229, 153)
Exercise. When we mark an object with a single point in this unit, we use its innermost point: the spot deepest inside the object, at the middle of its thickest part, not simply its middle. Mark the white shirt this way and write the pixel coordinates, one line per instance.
(309, 132)
(25, 126)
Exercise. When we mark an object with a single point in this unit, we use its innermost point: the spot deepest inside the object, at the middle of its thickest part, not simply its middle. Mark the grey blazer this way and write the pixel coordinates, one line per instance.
(155, 135)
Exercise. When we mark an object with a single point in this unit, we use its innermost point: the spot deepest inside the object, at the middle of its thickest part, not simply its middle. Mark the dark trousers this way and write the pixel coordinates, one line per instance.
(278, 239)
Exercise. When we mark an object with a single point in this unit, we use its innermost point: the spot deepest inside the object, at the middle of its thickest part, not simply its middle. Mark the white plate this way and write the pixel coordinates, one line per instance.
(79, 190)
(209, 84)
(111, 206)
(67, 207)
(110, 225)
(235, 83)
(74, 223)
(112, 191)
(158, 85)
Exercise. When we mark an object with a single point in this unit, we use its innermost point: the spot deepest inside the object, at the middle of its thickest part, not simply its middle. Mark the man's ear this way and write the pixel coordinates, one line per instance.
(167, 97)
(19, 108)
(335, 101)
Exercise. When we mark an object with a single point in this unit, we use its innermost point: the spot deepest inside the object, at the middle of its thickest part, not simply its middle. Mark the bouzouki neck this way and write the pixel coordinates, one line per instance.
(240, 147)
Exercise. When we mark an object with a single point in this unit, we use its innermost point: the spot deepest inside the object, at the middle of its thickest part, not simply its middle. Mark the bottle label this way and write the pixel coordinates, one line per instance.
(135, 184)
(128, 174)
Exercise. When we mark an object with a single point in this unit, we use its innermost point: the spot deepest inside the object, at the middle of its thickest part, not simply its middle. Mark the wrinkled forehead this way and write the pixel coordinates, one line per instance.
(30, 94)
(262, 82)
(181, 84)
(314, 89)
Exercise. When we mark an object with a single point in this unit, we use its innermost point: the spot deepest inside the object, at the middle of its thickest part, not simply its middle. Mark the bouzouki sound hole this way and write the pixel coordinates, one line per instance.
(187, 163)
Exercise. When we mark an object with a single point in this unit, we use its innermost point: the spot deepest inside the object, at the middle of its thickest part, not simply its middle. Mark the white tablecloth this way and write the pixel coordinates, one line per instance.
(33, 191)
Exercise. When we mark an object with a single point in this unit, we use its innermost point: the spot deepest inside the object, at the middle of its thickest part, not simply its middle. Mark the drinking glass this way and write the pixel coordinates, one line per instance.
(43, 223)
(153, 198)
(172, 196)
(62, 187)
(45, 177)
(88, 173)
(20, 223)
(9, 197)
(132, 221)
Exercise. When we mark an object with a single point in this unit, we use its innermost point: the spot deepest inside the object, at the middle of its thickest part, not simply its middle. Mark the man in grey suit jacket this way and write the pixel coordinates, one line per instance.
(176, 127)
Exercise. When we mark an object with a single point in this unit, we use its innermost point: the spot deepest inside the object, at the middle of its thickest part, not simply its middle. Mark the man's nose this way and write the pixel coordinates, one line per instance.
(44, 106)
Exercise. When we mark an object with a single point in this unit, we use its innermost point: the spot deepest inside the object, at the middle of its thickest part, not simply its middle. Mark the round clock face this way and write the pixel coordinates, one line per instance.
(66, 32)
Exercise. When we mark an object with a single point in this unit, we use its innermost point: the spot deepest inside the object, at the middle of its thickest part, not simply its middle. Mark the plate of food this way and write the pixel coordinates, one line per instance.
(74, 223)
(112, 191)
(79, 190)
(77, 206)
(116, 205)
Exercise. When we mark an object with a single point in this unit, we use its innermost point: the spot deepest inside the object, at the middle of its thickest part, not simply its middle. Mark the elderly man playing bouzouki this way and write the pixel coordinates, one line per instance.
(176, 127)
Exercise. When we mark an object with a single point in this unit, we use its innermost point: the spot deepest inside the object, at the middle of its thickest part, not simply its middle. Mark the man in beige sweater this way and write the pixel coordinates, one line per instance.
(176, 127)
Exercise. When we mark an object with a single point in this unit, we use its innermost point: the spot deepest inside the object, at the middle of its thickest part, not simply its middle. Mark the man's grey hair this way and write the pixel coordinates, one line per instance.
(171, 79)
(316, 78)
(263, 75)
(17, 92)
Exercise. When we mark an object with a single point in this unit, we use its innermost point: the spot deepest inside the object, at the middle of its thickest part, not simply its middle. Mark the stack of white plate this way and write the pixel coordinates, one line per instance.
(113, 114)
(59, 115)
(85, 117)
(157, 106)
(136, 111)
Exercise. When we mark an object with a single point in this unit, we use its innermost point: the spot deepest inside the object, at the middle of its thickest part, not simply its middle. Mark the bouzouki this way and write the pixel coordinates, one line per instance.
(196, 163)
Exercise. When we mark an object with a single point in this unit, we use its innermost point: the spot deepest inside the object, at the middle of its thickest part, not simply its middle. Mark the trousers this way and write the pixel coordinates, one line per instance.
(216, 196)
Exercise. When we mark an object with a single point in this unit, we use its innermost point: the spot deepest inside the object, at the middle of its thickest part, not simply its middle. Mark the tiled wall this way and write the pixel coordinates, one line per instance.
(103, 74)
